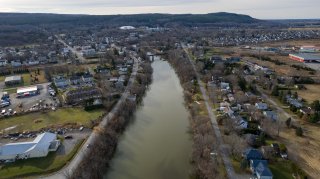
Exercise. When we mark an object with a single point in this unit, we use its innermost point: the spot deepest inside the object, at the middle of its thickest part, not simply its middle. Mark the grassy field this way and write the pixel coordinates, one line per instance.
(38, 166)
(312, 93)
(36, 121)
(2, 78)
(281, 169)
(26, 81)
(212, 52)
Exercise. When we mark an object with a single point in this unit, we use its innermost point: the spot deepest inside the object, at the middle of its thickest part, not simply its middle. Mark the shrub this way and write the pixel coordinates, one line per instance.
(299, 131)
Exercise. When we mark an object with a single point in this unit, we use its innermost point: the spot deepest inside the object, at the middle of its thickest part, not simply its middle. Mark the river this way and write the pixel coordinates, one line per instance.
(156, 145)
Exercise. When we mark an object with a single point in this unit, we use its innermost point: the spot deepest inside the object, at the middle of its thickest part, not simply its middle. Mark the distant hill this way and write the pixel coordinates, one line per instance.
(136, 19)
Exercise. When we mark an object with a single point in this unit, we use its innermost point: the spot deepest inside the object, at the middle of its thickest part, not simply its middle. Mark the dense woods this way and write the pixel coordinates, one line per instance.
(137, 19)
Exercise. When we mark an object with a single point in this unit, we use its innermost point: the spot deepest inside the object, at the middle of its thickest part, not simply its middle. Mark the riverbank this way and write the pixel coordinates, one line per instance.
(97, 159)
(205, 161)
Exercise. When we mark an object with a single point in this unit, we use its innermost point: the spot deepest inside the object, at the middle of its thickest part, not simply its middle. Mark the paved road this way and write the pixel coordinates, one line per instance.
(94, 135)
(223, 151)
(74, 51)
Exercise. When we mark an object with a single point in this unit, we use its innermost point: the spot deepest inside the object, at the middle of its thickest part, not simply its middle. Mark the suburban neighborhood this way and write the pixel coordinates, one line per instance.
(203, 96)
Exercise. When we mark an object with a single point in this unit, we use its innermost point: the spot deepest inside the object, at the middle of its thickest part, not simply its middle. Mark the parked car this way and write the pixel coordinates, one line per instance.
(68, 137)
(4, 104)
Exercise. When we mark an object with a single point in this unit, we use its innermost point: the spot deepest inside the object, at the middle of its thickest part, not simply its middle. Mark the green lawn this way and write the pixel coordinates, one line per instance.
(38, 166)
(2, 78)
(212, 52)
(59, 117)
(10, 90)
(281, 169)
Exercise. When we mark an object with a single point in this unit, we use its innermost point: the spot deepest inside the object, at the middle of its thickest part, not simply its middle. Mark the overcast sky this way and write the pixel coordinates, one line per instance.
(263, 9)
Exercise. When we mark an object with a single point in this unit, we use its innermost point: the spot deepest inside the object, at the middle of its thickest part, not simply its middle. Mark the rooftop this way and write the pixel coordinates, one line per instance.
(308, 55)
(42, 141)
(13, 78)
(27, 89)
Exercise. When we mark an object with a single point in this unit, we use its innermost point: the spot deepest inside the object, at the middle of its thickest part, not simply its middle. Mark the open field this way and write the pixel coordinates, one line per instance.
(38, 166)
(2, 78)
(315, 42)
(36, 121)
(311, 94)
(306, 157)
(281, 169)
(286, 69)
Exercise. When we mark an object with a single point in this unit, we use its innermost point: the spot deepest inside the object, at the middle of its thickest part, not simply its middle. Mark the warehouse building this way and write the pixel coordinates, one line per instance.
(13, 80)
(39, 147)
(27, 91)
(306, 57)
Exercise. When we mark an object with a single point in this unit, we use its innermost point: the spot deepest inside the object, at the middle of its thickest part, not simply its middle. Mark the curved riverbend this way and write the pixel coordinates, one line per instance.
(157, 144)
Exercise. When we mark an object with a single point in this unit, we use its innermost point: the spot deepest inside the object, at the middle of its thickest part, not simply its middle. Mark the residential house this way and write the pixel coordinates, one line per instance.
(271, 115)
(123, 70)
(224, 86)
(43, 60)
(230, 97)
(82, 94)
(261, 106)
(3, 62)
(113, 79)
(119, 85)
(75, 80)
(87, 78)
(217, 59)
(89, 53)
(33, 62)
(260, 169)
(102, 69)
(16, 63)
(241, 123)
(294, 102)
(252, 154)
(60, 82)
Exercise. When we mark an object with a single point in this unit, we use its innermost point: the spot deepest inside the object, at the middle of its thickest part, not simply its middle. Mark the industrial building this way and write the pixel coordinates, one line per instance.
(13, 80)
(27, 91)
(39, 147)
(308, 49)
(306, 57)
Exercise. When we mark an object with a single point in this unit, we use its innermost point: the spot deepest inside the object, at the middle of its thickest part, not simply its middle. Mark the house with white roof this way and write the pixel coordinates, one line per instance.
(39, 147)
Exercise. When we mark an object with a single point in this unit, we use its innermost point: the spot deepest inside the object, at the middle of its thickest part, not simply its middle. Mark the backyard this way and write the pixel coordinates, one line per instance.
(36, 121)
(311, 94)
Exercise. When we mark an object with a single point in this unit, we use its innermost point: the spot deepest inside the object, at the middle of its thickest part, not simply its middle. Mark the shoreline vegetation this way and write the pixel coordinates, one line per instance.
(95, 166)
(203, 164)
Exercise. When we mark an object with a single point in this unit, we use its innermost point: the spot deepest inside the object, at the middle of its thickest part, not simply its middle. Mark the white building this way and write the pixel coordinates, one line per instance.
(27, 91)
(39, 147)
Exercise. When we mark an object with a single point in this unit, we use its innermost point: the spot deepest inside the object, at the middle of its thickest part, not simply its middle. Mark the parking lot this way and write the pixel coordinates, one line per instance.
(43, 99)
